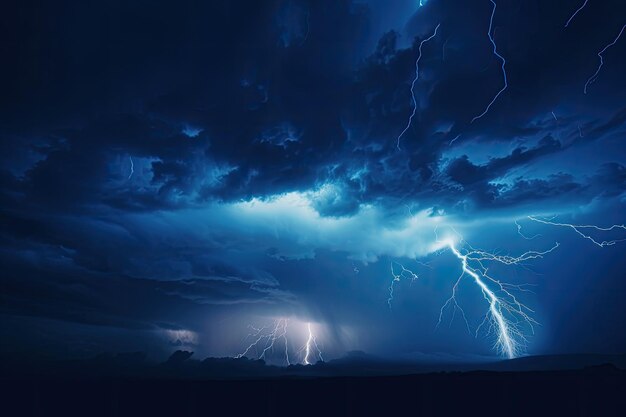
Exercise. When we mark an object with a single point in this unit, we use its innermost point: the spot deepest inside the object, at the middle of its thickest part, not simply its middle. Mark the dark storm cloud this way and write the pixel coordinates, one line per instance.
(116, 115)
(277, 115)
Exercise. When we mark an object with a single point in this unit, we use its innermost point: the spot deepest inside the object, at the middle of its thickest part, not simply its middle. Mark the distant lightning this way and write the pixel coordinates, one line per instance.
(417, 74)
(132, 167)
(582, 230)
(594, 77)
(267, 341)
(500, 57)
(575, 13)
(311, 343)
(268, 338)
(454, 140)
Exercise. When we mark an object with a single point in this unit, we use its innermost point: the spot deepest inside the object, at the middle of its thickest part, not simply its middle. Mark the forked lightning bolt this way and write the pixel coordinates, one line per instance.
(417, 75)
(403, 273)
(311, 343)
(500, 57)
(594, 77)
(584, 229)
(506, 316)
(267, 340)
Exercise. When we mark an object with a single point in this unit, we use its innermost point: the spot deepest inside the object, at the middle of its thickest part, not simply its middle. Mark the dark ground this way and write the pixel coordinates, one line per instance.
(598, 390)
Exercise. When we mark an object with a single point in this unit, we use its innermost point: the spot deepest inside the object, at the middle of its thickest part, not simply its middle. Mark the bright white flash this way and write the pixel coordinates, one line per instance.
(265, 338)
(506, 316)
(311, 343)
(417, 75)
(268, 338)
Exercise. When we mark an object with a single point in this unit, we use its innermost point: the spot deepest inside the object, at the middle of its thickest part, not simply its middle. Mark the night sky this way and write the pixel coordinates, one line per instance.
(175, 175)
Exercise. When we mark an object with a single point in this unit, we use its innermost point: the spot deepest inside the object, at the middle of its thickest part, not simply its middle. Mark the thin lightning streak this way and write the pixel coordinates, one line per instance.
(417, 74)
(519, 232)
(580, 132)
(594, 77)
(580, 228)
(554, 115)
(132, 167)
(495, 52)
(575, 13)
(404, 273)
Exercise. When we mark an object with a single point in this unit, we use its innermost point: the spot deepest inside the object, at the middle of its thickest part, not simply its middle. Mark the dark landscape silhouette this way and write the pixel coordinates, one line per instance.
(128, 384)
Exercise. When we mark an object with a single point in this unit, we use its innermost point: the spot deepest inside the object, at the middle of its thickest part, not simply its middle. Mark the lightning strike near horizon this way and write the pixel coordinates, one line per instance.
(268, 340)
(500, 57)
(575, 13)
(580, 228)
(507, 317)
(594, 77)
(311, 343)
(417, 74)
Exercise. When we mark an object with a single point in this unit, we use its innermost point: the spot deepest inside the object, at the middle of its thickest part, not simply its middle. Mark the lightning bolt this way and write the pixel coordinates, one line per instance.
(506, 316)
(500, 57)
(417, 74)
(404, 273)
(267, 340)
(594, 77)
(581, 229)
(311, 343)
(575, 13)
(519, 232)
(132, 167)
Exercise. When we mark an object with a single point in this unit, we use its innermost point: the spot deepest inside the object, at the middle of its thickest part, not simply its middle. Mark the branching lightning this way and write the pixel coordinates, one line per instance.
(417, 74)
(404, 273)
(132, 167)
(594, 77)
(310, 345)
(267, 340)
(575, 13)
(500, 57)
(519, 232)
(506, 317)
(581, 230)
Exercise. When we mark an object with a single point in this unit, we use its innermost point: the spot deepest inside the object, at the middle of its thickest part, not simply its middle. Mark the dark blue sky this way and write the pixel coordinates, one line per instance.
(173, 173)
